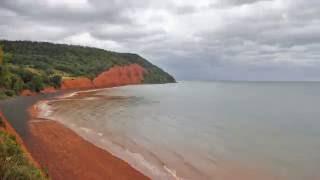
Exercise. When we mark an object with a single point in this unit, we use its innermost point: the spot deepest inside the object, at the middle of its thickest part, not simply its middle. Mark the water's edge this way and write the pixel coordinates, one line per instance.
(16, 111)
(135, 159)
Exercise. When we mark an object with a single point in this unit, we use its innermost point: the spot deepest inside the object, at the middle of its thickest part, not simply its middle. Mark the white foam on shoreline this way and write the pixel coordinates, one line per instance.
(69, 95)
(72, 94)
(173, 173)
(136, 160)
(44, 109)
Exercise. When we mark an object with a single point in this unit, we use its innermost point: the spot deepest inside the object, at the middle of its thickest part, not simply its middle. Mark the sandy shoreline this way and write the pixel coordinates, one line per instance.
(44, 133)
(66, 155)
(42, 111)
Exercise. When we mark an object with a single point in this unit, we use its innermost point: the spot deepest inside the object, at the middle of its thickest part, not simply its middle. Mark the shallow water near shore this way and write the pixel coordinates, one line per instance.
(203, 130)
(16, 110)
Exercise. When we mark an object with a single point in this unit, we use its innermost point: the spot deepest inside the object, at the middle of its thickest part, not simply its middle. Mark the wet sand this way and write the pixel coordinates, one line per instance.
(60, 151)
(68, 156)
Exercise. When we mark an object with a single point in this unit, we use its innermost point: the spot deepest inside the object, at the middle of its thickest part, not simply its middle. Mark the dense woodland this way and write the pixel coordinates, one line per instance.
(35, 65)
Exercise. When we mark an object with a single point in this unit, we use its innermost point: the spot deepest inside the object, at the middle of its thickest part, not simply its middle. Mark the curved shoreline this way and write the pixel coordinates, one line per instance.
(66, 155)
(42, 110)
(222, 170)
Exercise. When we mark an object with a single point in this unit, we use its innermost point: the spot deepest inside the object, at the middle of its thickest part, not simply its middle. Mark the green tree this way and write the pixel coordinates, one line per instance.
(7, 58)
(17, 84)
(26, 75)
(56, 81)
(36, 83)
(35, 65)
(5, 77)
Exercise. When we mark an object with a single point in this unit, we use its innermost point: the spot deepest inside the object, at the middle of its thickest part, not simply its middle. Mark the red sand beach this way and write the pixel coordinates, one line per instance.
(67, 156)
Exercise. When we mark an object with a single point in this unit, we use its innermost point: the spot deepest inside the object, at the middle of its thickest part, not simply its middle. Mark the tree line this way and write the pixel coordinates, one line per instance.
(35, 65)
(15, 78)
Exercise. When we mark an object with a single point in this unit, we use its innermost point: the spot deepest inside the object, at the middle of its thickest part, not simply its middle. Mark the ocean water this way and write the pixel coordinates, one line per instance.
(203, 130)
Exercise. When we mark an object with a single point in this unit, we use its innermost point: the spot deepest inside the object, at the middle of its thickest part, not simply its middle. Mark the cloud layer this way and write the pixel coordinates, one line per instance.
(206, 40)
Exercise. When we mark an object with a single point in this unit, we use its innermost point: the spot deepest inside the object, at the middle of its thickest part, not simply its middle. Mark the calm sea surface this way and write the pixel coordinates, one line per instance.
(204, 130)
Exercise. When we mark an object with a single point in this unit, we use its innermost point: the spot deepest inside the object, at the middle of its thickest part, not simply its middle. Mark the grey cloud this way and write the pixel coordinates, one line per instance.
(42, 11)
(233, 39)
(231, 3)
(187, 9)
(241, 2)
(125, 33)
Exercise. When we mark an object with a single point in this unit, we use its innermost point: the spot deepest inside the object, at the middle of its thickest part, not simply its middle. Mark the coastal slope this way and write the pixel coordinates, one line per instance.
(27, 68)
(33, 68)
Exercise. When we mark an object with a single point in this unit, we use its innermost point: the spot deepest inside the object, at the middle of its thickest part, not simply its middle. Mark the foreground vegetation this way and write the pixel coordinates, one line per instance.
(14, 164)
(35, 65)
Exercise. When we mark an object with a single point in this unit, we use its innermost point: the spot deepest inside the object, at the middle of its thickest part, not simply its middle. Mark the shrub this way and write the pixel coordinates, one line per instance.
(17, 84)
(9, 92)
(55, 81)
(13, 162)
(36, 84)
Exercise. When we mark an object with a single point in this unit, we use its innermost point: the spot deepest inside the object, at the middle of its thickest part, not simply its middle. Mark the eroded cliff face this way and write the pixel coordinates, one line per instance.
(77, 83)
(48, 90)
(27, 92)
(116, 76)
(120, 75)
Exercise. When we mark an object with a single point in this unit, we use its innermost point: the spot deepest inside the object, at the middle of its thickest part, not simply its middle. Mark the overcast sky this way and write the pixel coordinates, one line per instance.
(191, 39)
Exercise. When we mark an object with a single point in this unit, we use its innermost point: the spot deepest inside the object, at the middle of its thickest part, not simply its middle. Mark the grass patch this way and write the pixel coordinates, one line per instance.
(14, 164)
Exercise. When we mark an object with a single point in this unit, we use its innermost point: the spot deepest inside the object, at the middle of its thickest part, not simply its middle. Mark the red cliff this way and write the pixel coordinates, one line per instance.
(49, 89)
(27, 92)
(116, 76)
(77, 83)
(120, 75)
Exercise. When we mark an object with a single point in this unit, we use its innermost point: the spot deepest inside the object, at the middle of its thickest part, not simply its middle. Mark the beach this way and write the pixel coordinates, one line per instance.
(153, 131)
(59, 151)
(68, 156)
(53, 144)
(220, 135)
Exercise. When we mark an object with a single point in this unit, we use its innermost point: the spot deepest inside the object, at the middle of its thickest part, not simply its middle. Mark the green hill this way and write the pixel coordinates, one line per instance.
(34, 65)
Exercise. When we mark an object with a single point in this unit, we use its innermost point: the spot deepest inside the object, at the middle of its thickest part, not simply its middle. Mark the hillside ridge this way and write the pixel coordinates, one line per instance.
(37, 66)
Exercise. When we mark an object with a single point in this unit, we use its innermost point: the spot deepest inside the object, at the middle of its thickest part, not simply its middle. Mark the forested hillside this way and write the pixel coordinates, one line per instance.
(35, 65)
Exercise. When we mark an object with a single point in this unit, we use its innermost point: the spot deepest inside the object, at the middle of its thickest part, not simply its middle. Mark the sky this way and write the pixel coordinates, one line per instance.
(191, 39)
